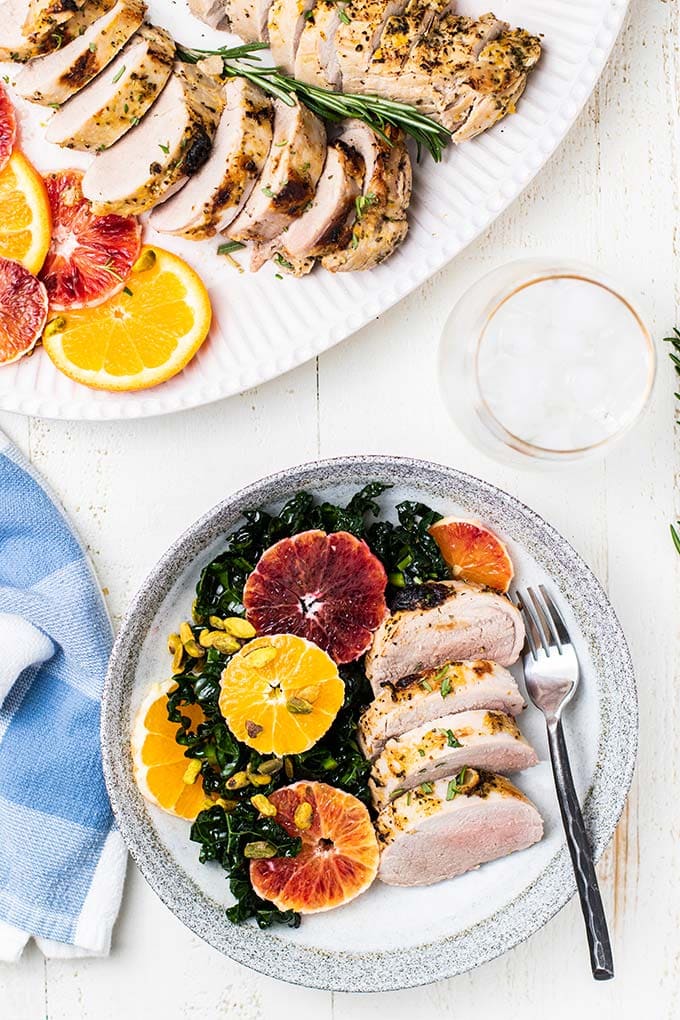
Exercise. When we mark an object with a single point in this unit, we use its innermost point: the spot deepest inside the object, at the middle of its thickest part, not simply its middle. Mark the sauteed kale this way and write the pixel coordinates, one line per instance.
(231, 831)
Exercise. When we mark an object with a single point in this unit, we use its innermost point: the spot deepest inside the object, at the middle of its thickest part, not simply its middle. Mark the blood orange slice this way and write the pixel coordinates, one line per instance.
(23, 311)
(473, 552)
(90, 256)
(327, 588)
(8, 127)
(339, 855)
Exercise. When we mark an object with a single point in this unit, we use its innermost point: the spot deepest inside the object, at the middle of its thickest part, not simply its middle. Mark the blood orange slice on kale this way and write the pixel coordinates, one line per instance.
(329, 589)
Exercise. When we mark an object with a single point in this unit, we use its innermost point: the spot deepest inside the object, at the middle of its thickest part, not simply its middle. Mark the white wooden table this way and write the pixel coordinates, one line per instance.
(611, 196)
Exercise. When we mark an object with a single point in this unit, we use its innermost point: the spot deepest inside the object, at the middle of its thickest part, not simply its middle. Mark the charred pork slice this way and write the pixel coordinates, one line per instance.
(327, 224)
(289, 178)
(47, 15)
(400, 34)
(17, 45)
(449, 827)
(171, 143)
(443, 621)
(356, 38)
(285, 23)
(210, 12)
(118, 99)
(480, 739)
(248, 19)
(420, 699)
(57, 76)
(380, 224)
(217, 193)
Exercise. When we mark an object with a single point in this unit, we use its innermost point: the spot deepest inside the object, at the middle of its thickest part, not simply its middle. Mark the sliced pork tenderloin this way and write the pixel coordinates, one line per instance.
(248, 19)
(423, 697)
(47, 15)
(327, 223)
(481, 739)
(443, 621)
(119, 97)
(400, 34)
(357, 37)
(285, 23)
(289, 178)
(449, 827)
(210, 12)
(214, 196)
(171, 143)
(315, 53)
(54, 78)
(380, 224)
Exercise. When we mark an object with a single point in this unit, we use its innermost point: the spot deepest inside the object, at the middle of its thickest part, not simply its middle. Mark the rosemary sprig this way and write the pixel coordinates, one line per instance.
(674, 355)
(378, 113)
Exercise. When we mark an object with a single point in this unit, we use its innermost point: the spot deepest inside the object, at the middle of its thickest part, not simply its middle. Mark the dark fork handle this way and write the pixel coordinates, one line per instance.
(601, 959)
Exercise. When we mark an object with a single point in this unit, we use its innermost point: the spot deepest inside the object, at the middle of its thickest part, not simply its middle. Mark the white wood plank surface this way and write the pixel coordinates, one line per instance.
(610, 196)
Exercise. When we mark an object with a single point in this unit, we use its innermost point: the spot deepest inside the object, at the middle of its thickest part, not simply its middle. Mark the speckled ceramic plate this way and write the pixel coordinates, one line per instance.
(388, 938)
(264, 326)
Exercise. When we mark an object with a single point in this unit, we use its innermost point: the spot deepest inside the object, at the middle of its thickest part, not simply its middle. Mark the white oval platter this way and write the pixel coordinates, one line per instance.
(264, 325)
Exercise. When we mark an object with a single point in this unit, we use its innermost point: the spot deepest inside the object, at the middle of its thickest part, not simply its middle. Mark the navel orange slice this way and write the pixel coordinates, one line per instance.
(473, 552)
(25, 220)
(327, 588)
(164, 775)
(280, 694)
(339, 855)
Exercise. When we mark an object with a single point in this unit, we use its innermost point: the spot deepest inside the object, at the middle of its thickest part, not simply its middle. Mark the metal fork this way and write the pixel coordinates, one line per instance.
(551, 672)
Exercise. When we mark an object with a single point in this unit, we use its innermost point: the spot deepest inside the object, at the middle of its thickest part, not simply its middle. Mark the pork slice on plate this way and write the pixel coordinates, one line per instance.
(357, 36)
(443, 621)
(327, 223)
(380, 224)
(216, 194)
(47, 15)
(56, 77)
(289, 178)
(119, 97)
(423, 697)
(285, 23)
(171, 143)
(315, 59)
(399, 36)
(449, 827)
(210, 12)
(248, 19)
(481, 739)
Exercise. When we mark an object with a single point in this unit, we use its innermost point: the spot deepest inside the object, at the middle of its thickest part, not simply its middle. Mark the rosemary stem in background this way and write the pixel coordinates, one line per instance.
(378, 113)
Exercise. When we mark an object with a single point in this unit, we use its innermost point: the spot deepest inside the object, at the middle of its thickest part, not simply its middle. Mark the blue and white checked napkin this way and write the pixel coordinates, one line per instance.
(62, 862)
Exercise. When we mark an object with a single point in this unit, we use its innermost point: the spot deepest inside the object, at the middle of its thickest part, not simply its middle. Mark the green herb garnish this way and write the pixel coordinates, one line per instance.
(119, 74)
(456, 785)
(451, 739)
(426, 787)
(229, 247)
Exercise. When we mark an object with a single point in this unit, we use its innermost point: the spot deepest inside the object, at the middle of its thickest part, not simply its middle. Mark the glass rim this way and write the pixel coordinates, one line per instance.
(561, 273)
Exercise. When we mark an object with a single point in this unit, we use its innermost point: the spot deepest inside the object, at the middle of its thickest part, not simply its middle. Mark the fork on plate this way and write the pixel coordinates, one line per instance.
(551, 673)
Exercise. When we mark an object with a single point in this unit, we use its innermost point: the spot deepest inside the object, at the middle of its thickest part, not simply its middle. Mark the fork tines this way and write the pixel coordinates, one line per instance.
(545, 626)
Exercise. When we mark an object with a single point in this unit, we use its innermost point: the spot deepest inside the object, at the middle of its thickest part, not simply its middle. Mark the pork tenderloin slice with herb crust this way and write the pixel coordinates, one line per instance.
(289, 178)
(357, 37)
(315, 49)
(285, 23)
(210, 12)
(56, 77)
(248, 19)
(423, 697)
(171, 143)
(46, 15)
(380, 224)
(217, 193)
(399, 36)
(119, 97)
(446, 828)
(443, 621)
(481, 739)
(327, 223)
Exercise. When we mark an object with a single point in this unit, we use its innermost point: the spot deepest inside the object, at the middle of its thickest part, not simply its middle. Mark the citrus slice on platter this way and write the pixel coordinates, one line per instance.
(23, 311)
(280, 694)
(164, 775)
(339, 855)
(142, 336)
(90, 257)
(473, 552)
(8, 127)
(327, 588)
(25, 221)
